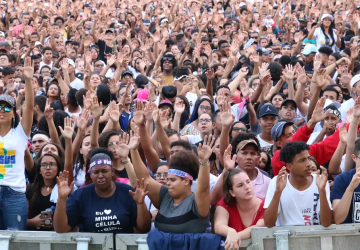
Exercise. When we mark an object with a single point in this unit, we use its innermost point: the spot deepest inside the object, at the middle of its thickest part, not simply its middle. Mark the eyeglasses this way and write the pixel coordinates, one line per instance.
(206, 120)
(159, 175)
(50, 165)
(239, 129)
(53, 88)
(204, 108)
(7, 109)
(98, 65)
(113, 144)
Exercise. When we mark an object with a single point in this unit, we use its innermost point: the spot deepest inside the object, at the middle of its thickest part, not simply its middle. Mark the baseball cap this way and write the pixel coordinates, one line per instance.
(263, 51)
(143, 95)
(278, 129)
(8, 99)
(166, 103)
(309, 48)
(288, 100)
(37, 43)
(109, 31)
(169, 91)
(328, 103)
(327, 16)
(333, 109)
(244, 143)
(141, 81)
(302, 20)
(126, 72)
(285, 44)
(79, 75)
(71, 62)
(354, 80)
(268, 109)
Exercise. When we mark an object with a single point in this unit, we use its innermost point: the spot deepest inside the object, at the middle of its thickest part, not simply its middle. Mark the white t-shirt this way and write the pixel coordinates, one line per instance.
(321, 39)
(297, 208)
(345, 107)
(192, 99)
(193, 139)
(263, 144)
(12, 166)
(77, 84)
(42, 64)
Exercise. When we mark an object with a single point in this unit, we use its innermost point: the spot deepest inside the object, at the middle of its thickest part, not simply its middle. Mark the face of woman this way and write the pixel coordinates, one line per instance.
(204, 108)
(50, 149)
(216, 148)
(176, 185)
(6, 113)
(277, 100)
(313, 167)
(53, 91)
(48, 168)
(112, 145)
(161, 174)
(242, 187)
(175, 50)
(255, 84)
(80, 66)
(327, 22)
(126, 49)
(237, 129)
(101, 176)
(35, 84)
(219, 71)
(331, 60)
(263, 160)
(94, 81)
(85, 147)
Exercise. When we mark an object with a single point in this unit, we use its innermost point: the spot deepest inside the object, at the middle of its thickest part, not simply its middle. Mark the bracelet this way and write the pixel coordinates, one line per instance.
(204, 163)
(126, 161)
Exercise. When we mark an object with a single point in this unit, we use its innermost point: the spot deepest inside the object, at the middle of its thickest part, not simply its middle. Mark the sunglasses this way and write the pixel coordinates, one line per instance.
(7, 109)
(239, 129)
(166, 58)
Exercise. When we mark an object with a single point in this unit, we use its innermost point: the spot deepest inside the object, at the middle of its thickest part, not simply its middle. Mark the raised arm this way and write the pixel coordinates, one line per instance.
(161, 118)
(334, 165)
(299, 96)
(27, 118)
(96, 111)
(142, 172)
(202, 195)
(67, 133)
(351, 138)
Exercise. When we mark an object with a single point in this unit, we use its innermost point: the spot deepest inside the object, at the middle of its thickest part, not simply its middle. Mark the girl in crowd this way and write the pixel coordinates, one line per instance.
(239, 210)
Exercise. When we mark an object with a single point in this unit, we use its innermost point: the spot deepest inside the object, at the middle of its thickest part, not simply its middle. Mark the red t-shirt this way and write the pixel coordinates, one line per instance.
(235, 220)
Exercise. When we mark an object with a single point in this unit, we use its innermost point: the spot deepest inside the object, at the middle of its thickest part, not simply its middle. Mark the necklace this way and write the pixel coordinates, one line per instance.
(48, 188)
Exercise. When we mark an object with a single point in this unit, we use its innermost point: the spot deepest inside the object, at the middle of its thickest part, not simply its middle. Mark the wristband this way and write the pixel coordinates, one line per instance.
(203, 163)
(126, 161)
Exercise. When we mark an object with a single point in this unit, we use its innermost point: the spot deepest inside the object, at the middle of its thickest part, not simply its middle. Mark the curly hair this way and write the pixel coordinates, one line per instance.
(185, 161)
(291, 149)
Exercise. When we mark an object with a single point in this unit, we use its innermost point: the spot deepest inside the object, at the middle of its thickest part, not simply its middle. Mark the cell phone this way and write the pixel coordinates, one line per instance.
(248, 44)
(146, 22)
(227, 14)
(152, 7)
(54, 71)
(47, 215)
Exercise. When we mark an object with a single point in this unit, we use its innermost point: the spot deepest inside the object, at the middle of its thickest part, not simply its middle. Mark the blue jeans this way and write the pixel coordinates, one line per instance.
(13, 209)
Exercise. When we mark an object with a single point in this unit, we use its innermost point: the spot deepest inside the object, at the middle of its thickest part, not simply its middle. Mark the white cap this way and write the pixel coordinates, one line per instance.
(71, 62)
(2, 33)
(309, 48)
(327, 16)
(354, 80)
(38, 43)
(242, 4)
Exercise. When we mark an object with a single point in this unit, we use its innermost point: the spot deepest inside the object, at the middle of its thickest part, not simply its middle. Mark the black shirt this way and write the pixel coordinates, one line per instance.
(121, 173)
(104, 49)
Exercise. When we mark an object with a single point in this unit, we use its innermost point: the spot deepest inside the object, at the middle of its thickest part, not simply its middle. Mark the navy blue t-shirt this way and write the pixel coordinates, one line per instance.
(124, 120)
(341, 183)
(94, 214)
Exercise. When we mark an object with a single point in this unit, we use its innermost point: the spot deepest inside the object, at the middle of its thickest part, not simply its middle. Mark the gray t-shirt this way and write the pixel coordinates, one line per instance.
(183, 218)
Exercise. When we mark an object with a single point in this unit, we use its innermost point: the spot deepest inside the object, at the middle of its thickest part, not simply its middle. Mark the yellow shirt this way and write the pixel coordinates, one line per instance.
(168, 79)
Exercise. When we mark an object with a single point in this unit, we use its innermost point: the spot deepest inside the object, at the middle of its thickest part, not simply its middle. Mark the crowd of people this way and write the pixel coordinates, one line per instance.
(179, 117)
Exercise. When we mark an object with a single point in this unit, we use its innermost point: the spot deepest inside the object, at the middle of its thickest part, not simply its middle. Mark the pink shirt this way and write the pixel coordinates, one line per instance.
(18, 28)
(261, 184)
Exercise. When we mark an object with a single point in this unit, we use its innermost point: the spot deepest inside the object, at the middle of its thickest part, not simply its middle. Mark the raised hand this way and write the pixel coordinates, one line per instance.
(140, 192)
(318, 113)
(49, 112)
(138, 115)
(301, 75)
(289, 72)
(96, 108)
(281, 179)
(64, 189)
(179, 107)
(205, 149)
(64, 64)
(356, 112)
(148, 111)
(343, 133)
(68, 130)
(229, 163)
(210, 74)
(322, 179)
(115, 111)
(123, 149)
(113, 86)
(83, 121)
(227, 118)
(134, 139)
(264, 70)
(28, 69)
(165, 120)
(244, 89)
(320, 78)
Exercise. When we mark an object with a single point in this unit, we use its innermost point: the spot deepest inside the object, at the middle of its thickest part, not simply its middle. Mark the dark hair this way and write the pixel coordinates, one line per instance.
(104, 137)
(39, 181)
(277, 93)
(331, 32)
(171, 132)
(58, 118)
(179, 71)
(79, 163)
(275, 71)
(268, 166)
(357, 147)
(186, 102)
(312, 158)
(241, 137)
(331, 88)
(181, 143)
(45, 49)
(79, 96)
(59, 89)
(44, 67)
(291, 149)
(164, 163)
(195, 115)
(8, 70)
(228, 183)
(185, 161)
(60, 150)
(40, 101)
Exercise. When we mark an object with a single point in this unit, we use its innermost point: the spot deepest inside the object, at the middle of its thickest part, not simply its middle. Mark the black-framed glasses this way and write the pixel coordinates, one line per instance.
(50, 165)
(204, 108)
(237, 129)
(159, 175)
(7, 109)
(167, 58)
(206, 120)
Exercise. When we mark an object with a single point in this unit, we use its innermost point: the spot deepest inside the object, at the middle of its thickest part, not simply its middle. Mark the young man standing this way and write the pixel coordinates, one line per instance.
(268, 116)
(299, 198)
